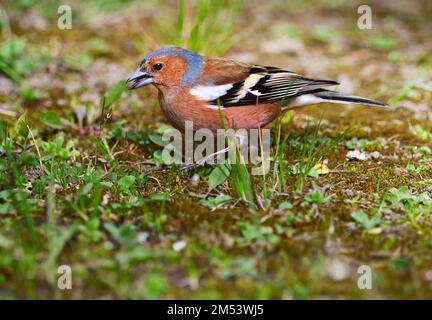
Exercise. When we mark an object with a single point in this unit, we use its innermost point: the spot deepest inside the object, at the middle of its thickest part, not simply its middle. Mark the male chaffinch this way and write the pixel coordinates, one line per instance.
(197, 88)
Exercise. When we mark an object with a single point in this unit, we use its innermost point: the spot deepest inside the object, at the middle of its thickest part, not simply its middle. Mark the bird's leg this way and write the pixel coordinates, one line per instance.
(241, 140)
(202, 162)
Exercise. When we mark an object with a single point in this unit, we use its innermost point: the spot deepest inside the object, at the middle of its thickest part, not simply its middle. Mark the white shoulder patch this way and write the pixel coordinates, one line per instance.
(248, 83)
(209, 93)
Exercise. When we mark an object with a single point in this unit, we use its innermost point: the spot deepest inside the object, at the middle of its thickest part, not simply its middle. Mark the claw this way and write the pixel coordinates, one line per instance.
(204, 161)
(189, 167)
(199, 164)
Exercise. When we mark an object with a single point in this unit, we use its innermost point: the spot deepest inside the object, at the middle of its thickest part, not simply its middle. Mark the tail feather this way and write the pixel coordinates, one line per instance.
(337, 97)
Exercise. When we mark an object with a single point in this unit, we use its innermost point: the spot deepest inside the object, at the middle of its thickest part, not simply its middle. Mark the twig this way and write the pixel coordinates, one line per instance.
(37, 148)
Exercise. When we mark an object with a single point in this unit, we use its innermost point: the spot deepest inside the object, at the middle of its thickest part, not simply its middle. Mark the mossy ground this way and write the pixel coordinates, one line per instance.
(89, 192)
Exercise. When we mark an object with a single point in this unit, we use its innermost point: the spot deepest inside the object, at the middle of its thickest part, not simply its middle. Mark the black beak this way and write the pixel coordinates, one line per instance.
(139, 79)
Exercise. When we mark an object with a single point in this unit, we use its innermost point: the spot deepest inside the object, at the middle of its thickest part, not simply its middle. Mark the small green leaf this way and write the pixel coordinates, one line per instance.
(126, 182)
(50, 119)
(399, 264)
(156, 197)
(157, 139)
(21, 125)
(361, 217)
(106, 184)
(86, 189)
(28, 94)
(218, 175)
(242, 183)
(6, 208)
(324, 33)
(113, 94)
(285, 205)
(213, 202)
(127, 233)
(382, 43)
(313, 173)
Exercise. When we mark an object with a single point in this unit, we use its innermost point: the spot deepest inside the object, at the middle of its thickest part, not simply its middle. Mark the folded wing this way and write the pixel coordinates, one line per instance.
(241, 84)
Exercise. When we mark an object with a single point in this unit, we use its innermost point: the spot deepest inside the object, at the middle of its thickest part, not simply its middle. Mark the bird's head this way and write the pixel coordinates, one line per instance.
(169, 67)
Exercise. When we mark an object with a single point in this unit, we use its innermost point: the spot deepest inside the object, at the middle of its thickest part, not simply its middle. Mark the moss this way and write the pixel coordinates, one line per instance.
(119, 239)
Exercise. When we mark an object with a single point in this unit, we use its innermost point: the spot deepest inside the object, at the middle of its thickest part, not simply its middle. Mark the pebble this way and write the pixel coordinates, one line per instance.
(357, 155)
(338, 270)
(195, 179)
(179, 245)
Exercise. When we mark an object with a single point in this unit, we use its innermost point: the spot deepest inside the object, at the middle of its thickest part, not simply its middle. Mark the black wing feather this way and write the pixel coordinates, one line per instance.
(269, 85)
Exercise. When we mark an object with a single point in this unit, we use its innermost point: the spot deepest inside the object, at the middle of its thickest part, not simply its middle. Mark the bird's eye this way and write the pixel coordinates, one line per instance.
(157, 66)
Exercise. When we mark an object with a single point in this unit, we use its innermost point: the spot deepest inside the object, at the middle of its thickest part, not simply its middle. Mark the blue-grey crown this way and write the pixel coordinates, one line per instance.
(193, 61)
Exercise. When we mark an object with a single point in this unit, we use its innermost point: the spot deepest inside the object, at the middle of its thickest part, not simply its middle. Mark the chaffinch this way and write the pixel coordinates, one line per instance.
(199, 89)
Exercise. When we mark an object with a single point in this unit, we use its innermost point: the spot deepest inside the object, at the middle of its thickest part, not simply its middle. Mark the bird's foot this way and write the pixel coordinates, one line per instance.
(206, 161)
(199, 164)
